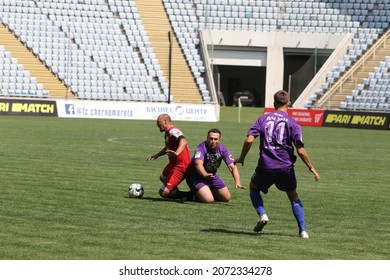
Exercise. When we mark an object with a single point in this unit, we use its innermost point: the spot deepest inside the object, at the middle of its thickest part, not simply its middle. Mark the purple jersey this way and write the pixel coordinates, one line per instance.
(212, 158)
(278, 133)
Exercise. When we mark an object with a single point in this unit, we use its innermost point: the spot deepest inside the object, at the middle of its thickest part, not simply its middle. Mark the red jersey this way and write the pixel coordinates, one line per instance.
(172, 137)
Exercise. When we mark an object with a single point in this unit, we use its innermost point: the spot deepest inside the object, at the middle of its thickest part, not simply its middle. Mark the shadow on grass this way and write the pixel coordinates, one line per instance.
(236, 232)
(160, 199)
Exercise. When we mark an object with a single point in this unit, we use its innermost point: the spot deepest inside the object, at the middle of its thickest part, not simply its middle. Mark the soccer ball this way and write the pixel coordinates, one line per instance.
(136, 190)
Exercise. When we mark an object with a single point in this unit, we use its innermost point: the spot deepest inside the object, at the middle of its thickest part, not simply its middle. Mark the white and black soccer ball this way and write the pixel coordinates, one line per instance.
(136, 190)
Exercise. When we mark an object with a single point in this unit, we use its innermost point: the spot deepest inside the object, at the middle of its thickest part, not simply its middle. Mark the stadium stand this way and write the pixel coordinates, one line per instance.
(367, 76)
(97, 49)
(15, 80)
(113, 49)
(366, 19)
(373, 93)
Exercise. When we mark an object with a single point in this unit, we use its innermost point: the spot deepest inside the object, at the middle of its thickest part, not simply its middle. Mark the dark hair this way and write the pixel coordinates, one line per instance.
(214, 130)
(281, 98)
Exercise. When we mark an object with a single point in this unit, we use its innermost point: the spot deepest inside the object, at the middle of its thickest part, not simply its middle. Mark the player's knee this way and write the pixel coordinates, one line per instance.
(228, 198)
(163, 192)
(207, 199)
(160, 192)
(204, 194)
(293, 195)
(224, 199)
(253, 187)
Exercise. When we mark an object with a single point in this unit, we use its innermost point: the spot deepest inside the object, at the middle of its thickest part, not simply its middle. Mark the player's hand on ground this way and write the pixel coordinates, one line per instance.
(240, 187)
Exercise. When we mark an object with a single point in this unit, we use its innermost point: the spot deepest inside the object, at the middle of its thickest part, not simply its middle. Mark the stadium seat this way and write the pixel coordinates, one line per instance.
(81, 26)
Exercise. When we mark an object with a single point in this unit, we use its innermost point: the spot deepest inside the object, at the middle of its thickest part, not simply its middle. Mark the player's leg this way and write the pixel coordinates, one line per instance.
(219, 189)
(298, 211)
(260, 181)
(175, 193)
(204, 194)
(221, 194)
(170, 188)
(185, 195)
(287, 182)
(258, 204)
(164, 178)
(200, 188)
(166, 172)
(256, 199)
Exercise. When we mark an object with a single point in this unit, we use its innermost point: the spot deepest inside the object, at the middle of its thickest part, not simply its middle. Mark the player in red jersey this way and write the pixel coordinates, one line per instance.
(176, 148)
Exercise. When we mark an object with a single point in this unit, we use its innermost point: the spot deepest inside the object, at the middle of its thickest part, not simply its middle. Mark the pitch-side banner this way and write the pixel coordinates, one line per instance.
(28, 107)
(371, 120)
(137, 110)
(303, 116)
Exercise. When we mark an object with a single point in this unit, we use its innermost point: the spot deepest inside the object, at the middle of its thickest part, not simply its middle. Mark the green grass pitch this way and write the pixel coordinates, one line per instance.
(64, 195)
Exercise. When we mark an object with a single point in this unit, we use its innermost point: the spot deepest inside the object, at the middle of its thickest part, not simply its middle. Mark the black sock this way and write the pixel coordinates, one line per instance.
(181, 195)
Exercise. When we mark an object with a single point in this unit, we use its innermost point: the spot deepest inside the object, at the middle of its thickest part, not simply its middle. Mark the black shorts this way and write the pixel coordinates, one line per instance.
(284, 179)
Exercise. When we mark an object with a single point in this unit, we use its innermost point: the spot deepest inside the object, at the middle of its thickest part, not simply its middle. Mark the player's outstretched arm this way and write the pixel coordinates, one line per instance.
(245, 149)
(305, 158)
(236, 176)
(159, 154)
(316, 175)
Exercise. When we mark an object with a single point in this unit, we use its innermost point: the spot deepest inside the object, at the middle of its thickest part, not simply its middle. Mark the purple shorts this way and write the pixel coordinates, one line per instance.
(196, 182)
(284, 179)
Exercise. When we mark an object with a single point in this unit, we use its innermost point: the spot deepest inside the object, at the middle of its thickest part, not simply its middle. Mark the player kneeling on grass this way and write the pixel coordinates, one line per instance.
(176, 148)
(202, 175)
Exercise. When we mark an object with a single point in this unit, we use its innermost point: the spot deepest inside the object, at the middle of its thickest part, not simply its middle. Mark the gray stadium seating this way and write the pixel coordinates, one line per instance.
(112, 58)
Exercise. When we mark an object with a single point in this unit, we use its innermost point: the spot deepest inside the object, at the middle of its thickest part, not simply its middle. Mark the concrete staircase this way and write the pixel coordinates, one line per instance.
(32, 64)
(356, 74)
(157, 26)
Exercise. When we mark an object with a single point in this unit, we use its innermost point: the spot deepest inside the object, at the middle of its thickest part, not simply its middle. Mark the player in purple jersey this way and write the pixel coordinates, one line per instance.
(202, 175)
(278, 133)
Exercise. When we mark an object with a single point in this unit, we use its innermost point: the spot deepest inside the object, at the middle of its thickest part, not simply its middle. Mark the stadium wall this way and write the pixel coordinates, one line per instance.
(256, 48)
